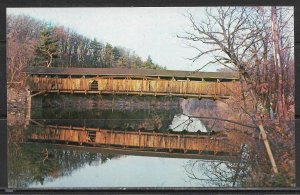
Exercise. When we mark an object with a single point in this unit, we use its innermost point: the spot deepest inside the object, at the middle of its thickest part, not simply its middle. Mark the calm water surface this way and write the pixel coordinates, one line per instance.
(131, 171)
(38, 165)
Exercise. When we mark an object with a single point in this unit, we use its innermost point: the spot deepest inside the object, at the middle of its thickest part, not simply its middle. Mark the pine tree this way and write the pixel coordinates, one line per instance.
(116, 53)
(96, 48)
(108, 55)
(149, 63)
(46, 49)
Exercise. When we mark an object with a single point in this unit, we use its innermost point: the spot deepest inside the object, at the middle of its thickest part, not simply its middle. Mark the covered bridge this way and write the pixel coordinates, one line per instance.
(131, 81)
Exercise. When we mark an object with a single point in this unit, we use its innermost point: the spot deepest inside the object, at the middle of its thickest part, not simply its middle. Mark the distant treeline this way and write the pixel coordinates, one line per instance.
(31, 42)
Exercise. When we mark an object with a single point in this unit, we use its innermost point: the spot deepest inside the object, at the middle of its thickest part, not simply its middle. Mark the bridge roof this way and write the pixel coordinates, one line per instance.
(130, 73)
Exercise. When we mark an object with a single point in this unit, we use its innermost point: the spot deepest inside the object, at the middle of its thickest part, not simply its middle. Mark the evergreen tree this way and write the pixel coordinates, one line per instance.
(96, 48)
(108, 55)
(149, 63)
(46, 49)
(116, 53)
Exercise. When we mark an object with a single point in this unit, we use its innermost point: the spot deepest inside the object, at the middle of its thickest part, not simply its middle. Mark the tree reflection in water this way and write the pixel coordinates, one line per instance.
(31, 164)
(251, 170)
(219, 173)
(40, 163)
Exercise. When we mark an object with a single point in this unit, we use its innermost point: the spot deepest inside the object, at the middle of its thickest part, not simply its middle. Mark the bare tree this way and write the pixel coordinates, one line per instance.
(19, 46)
(239, 38)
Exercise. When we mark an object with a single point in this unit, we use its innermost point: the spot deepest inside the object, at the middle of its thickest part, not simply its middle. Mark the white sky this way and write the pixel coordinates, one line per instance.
(147, 31)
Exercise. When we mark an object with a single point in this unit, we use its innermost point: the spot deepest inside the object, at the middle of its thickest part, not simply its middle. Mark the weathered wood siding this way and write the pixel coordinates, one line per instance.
(138, 139)
(135, 86)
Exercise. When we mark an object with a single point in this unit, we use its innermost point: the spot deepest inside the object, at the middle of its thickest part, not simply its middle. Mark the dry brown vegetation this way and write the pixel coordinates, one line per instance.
(256, 42)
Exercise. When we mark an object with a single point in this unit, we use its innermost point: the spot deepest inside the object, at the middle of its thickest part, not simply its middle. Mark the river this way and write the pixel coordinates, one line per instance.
(47, 165)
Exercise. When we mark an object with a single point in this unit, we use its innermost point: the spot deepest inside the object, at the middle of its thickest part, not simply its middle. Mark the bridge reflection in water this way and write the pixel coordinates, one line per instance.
(196, 143)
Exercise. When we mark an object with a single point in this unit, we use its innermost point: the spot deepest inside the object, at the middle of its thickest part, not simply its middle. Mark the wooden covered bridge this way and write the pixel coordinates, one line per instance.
(186, 84)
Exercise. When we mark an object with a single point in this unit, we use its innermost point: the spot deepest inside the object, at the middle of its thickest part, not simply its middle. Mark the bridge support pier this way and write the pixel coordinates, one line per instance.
(28, 108)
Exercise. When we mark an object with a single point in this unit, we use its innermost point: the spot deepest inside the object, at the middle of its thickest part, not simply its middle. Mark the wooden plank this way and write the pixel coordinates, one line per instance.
(188, 88)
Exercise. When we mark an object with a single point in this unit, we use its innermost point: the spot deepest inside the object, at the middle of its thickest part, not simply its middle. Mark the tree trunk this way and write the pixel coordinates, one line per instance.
(257, 120)
(281, 106)
(267, 146)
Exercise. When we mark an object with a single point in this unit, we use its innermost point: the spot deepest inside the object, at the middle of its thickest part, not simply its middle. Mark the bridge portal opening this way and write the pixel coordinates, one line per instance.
(93, 85)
